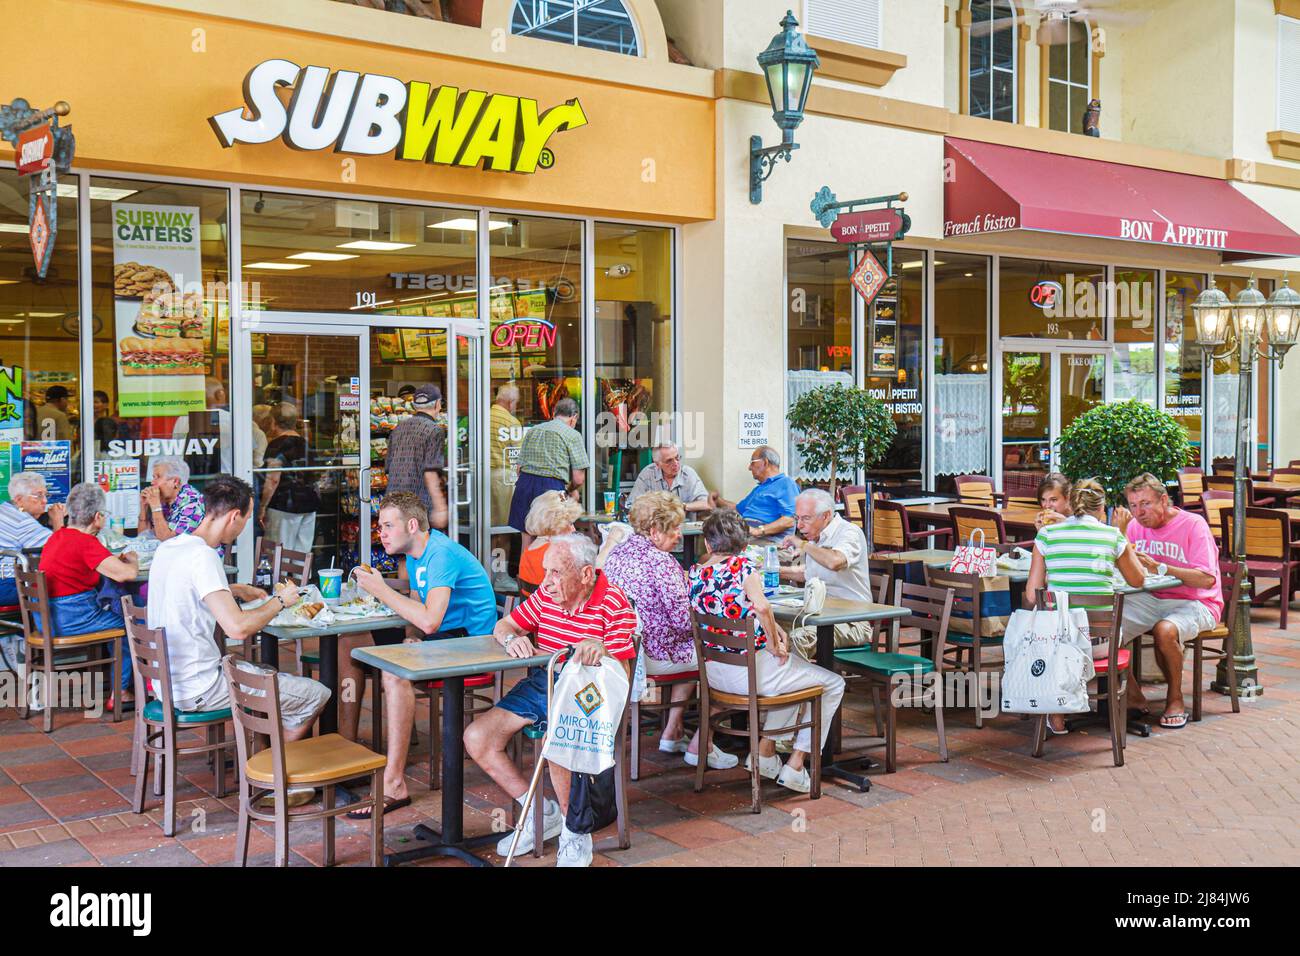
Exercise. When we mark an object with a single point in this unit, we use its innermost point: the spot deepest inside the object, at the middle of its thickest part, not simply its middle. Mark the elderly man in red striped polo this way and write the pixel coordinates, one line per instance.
(575, 605)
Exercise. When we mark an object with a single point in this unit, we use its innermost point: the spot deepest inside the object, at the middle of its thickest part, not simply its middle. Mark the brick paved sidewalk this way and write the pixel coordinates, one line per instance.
(1222, 792)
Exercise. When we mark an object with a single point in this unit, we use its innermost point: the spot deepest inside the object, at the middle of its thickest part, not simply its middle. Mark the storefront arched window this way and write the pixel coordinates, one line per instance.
(993, 61)
(596, 24)
(1069, 76)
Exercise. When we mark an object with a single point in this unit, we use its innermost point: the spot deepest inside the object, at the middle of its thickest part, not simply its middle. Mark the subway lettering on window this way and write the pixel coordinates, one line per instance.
(371, 114)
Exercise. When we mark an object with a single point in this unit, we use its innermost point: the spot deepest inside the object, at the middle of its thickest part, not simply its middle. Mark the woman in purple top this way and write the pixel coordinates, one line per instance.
(644, 568)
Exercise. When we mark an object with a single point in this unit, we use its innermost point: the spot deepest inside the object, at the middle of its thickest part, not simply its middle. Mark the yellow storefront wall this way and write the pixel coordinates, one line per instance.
(141, 93)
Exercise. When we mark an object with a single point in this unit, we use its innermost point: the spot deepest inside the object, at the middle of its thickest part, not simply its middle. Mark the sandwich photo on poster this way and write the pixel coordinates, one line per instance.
(162, 327)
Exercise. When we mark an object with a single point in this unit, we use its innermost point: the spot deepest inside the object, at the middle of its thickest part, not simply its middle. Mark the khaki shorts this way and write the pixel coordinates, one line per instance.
(301, 698)
(1144, 611)
(803, 640)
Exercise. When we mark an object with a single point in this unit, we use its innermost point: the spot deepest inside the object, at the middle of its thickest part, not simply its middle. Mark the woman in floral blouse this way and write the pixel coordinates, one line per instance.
(729, 583)
(644, 568)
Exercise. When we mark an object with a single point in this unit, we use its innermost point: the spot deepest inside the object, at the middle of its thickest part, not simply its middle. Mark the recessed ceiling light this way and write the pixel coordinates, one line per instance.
(374, 245)
(12, 321)
(9, 281)
(275, 265)
(468, 225)
(13, 227)
(322, 256)
(43, 315)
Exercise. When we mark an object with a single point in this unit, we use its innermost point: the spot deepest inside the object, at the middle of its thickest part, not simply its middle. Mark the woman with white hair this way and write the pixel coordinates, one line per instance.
(551, 514)
(19, 527)
(170, 505)
(73, 560)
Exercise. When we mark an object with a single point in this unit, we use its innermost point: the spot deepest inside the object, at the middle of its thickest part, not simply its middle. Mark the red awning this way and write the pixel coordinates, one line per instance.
(990, 188)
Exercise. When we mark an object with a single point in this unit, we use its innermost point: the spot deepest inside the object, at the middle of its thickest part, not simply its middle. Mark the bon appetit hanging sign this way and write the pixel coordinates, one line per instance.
(370, 114)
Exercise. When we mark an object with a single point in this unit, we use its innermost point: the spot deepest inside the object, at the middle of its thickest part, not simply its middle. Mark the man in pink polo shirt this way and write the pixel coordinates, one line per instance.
(575, 606)
(1170, 541)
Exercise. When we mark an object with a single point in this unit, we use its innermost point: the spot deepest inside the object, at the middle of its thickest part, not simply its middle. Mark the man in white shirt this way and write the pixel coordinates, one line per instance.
(834, 551)
(667, 473)
(190, 596)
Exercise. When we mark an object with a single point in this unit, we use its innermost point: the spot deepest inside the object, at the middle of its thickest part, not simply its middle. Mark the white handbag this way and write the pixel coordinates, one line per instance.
(1048, 661)
(970, 558)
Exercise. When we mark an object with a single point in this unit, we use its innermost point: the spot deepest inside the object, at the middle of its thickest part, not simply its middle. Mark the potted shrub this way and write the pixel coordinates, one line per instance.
(1117, 442)
(841, 429)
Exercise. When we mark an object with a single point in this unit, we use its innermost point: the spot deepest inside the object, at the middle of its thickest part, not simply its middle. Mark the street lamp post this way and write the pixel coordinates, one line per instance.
(788, 64)
(1241, 327)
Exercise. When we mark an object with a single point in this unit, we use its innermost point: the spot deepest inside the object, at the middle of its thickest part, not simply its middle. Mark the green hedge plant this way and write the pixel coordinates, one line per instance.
(843, 429)
(1117, 442)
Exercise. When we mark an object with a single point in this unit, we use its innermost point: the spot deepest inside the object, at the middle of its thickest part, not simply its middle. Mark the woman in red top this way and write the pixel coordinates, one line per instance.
(73, 560)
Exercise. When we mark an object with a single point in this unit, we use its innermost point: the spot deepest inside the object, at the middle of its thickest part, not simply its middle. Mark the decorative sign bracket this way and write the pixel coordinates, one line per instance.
(863, 229)
(51, 147)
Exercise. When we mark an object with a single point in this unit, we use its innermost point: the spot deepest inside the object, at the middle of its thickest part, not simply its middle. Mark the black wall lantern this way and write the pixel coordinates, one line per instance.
(788, 64)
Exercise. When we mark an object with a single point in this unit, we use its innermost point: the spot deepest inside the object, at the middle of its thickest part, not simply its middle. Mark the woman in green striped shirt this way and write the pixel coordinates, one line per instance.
(1079, 556)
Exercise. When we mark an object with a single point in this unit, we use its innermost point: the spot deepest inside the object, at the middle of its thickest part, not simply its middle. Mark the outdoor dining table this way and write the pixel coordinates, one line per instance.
(1015, 519)
(449, 661)
(835, 611)
(272, 635)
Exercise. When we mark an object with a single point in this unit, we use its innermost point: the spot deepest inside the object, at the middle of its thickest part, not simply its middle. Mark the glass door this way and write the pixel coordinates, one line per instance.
(1043, 392)
(308, 434)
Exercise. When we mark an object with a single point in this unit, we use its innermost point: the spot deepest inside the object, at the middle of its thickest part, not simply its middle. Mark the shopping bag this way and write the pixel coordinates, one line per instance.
(1048, 661)
(593, 803)
(994, 597)
(970, 558)
(586, 707)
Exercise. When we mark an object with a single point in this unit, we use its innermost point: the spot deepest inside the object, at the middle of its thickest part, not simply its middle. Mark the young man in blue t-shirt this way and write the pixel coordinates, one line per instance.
(451, 596)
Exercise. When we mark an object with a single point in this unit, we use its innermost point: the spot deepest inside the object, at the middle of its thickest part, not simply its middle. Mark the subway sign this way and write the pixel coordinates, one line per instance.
(370, 114)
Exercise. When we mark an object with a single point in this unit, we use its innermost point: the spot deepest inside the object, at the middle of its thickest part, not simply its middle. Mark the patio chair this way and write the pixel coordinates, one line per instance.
(892, 530)
(1223, 634)
(1226, 483)
(158, 722)
(1215, 504)
(1191, 484)
(983, 654)
(1103, 625)
(929, 610)
(853, 497)
(1289, 476)
(324, 762)
(717, 706)
(1269, 553)
(978, 490)
(49, 654)
(965, 521)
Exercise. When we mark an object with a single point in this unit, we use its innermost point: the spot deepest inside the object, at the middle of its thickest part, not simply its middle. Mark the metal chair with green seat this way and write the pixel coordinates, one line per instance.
(158, 722)
(929, 611)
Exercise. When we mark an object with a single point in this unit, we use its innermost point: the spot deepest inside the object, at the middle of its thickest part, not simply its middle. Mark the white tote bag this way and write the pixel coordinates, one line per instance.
(586, 707)
(1048, 661)
(972, 558)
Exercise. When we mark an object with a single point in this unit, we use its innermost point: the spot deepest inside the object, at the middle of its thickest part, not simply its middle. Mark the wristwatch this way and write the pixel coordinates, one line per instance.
(1162, 569)
(156, 511)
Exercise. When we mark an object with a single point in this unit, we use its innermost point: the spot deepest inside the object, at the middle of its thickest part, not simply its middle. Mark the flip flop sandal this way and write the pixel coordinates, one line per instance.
(1057, 733)
(389, 805)
(1173, 721)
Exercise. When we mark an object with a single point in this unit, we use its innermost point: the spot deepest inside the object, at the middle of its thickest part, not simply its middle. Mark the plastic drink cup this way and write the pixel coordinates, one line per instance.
(331, 585)
(610, 500)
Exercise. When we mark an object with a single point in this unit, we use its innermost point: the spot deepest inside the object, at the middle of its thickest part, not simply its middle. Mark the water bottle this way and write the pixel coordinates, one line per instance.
(263, 577)
(771, 570)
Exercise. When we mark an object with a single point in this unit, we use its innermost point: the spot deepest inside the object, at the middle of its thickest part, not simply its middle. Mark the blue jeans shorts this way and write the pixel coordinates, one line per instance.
(527, 699)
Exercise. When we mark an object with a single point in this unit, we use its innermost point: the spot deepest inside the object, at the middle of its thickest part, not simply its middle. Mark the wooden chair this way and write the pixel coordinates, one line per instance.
(1221, 633)
(1215, 504)
(892, 530)
(928, 610)
(49, 654)
(323, 761)
(978, 490)
(1289, 476)
(534, 740)
(1103, 627)
(476, 702)
(853, 496)
(965, 521)
(973, 646)
(1269, 553)
(158, 722)
(1191, 484)
(716, 705)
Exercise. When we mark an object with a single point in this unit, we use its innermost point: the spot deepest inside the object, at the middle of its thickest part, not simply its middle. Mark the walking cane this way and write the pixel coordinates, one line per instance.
(537, 770)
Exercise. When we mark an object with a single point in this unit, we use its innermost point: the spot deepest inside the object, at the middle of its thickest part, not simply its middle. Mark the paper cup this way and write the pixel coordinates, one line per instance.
(331, 585)
(610, 499)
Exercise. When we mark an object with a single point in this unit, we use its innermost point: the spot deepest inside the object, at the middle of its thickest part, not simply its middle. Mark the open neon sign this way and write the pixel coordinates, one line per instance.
(530, 333)
(1046, 294)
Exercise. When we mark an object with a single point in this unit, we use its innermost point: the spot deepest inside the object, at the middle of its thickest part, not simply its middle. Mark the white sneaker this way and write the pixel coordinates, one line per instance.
(552, 823)
(718, 759)
(769, 767)
(575, 849)
(673, 746)
(797, 780)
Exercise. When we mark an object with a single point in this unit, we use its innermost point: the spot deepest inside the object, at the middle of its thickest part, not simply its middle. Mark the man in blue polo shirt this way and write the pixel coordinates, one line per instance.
(769, 508)
(451, 596)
